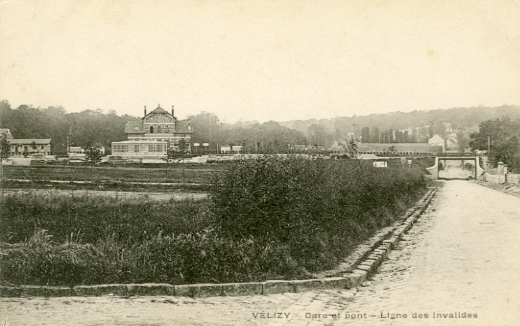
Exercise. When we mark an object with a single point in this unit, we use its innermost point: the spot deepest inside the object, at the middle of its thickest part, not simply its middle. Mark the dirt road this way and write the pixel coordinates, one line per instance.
(460, 259)
(155, 196)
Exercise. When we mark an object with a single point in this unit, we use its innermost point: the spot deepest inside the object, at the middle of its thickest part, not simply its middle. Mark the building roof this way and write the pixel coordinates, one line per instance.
(30, 141)
(182, 127)
(7, 132)
(436, 138)
(337, 148)
(134, 127)
(159, 110)
(368, 157)
(139, 142)
(399, 147)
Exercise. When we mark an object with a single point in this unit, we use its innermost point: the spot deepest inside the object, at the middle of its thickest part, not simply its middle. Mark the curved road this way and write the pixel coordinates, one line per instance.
(461, 258)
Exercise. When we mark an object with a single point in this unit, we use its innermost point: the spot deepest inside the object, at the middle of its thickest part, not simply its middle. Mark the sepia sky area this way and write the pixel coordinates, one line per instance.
(260, 60)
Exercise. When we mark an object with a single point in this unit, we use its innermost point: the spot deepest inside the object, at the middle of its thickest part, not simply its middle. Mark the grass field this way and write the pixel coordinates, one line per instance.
(177, 173)
(265, 219)
(139, 173)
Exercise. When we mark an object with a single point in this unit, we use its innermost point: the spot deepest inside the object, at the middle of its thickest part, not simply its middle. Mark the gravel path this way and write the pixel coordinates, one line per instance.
(155, 196)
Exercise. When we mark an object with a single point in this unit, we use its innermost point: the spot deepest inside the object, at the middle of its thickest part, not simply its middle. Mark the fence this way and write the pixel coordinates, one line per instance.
(501, 175)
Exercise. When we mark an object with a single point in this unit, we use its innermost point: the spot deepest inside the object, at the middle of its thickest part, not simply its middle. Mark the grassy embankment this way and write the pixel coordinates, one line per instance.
(267, 219)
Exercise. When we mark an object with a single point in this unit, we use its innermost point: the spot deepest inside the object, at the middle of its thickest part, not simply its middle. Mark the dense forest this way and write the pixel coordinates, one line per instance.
(106, 127)
(55, 123)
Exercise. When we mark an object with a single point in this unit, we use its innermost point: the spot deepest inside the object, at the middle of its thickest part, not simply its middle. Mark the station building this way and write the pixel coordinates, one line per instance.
(152, 136)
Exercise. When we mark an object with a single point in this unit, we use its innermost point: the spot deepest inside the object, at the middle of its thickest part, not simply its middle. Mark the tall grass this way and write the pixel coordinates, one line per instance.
(87, 218)
(271, 218)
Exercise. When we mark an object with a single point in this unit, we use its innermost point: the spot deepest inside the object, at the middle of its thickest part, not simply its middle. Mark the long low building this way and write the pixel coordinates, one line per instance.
(402, 149)
(25, 147)
(140, 148)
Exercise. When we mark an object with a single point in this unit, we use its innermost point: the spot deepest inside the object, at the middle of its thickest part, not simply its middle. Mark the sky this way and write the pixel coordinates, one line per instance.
(260, 60)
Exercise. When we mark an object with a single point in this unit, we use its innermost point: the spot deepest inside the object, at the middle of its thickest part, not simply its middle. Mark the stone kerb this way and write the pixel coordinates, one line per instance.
(366, 260)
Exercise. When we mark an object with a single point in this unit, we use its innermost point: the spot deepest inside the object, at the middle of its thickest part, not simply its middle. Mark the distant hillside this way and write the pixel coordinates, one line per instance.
(461, 118)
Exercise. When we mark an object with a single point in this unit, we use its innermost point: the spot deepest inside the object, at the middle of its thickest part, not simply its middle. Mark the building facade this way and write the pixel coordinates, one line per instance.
(27, 147)
(152, 136)
(400, 149)
(438, 141)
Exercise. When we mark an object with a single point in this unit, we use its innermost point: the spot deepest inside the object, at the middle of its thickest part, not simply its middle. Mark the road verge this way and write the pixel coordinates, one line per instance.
(351, 273)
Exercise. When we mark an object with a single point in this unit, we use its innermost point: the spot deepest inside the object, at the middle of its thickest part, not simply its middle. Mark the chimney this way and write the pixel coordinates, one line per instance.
(189, 124)
(173, 115)
(145, 110)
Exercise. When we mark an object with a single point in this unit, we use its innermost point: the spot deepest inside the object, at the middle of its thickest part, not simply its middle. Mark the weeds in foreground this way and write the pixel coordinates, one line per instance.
(271, 218)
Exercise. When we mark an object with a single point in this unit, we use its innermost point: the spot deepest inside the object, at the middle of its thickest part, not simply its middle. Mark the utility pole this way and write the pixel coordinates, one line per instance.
(69, 139)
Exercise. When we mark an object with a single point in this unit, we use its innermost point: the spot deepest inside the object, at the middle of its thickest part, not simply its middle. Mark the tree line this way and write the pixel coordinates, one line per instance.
(500, 138)
(500, 135)
(98, 127)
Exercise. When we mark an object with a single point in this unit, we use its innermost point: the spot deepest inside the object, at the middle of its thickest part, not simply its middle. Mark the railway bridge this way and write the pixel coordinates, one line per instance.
(434, 170)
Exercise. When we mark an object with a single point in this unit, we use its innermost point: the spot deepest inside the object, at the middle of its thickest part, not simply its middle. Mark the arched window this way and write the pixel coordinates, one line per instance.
(151, 129)
(158, 129)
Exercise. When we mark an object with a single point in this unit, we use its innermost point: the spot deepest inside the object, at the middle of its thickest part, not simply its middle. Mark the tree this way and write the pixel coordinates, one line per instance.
(463, 141)
(5, 148)
(182, 146)
(319, 136)
(399, 136)
(502, 138)
(406, 137)
(352, 149)
(170, 155)
(375, 138)
(92, 155)
(392, 151)
(207, 128)
(365, 135)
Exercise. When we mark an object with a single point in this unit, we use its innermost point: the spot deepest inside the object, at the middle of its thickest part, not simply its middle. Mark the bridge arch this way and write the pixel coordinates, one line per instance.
(434, 170)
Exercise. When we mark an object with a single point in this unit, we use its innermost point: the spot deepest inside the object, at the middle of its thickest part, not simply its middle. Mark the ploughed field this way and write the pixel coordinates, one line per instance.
(184, 173)
(271, 218)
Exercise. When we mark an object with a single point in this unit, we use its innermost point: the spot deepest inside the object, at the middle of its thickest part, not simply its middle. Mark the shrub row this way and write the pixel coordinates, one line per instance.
(270, 218)
(318, 208)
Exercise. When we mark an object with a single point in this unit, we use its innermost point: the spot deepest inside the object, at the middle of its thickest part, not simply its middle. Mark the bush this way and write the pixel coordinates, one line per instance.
(271, 218)
(310, 204)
